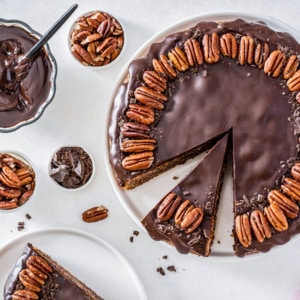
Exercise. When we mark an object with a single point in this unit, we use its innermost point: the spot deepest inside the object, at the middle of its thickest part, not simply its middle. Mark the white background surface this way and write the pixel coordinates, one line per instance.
(77, 115)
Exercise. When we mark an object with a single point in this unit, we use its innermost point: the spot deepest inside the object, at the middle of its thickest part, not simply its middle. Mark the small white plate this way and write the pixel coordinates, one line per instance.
(88, 257)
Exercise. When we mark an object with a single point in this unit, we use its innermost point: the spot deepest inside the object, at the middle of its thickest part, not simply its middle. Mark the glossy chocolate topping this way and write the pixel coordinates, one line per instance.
(57, 286)
(206, 101)
(23, 87)
(202, 187)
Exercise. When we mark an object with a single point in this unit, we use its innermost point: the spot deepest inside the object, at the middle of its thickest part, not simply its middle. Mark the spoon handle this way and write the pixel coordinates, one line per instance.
(50, 32)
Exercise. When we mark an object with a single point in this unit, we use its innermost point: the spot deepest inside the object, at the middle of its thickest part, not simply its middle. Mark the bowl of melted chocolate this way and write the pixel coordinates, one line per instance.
(25, 88)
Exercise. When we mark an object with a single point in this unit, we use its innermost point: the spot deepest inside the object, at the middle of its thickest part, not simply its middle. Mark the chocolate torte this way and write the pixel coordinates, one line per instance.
(185, 217)
(194, 86)
(37, 276)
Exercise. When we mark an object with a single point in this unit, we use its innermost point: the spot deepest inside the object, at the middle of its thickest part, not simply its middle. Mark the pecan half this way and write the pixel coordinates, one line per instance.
(149, 97)
(246, 50)
(9, 177)
(262, 51)
(192, 219)
(211, 48)
(291, 187)
(178, 59)
(138, 145)
(290, 67)
(295, 171)
(243, 230)
(5, 205)
(228, 45)
(289, 207)
(193, 52)
(260, 225)
(276, 217)
(163, 67)
(105, 27)
(24, 295)
(168, 206)
(95, 214)
(138, 161)
(135, 130)
(82, 55)
(155, 81)
(294, 82)
(274, 63)
(28, 282)
(184, 208)
(40, 263)
(10, 193)
(140, 114)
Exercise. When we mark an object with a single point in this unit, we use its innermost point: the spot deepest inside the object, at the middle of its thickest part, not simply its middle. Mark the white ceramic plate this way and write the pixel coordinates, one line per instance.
(139, 201)
(86, 256)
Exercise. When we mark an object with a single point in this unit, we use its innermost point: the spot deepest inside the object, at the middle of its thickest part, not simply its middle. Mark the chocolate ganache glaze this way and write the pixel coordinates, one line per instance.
(23, 87)
(206, 101)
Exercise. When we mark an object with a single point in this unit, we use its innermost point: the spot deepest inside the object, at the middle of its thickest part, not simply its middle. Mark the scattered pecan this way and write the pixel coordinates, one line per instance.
(193, 52)
(289, 207)
(295, 171)
(95, 214)
(168, 206)
(192, 219)
(243, 230)
(149, 97)
(135, 130)
(274, 63)
(290, 67)
(246, 50)
(291, 187)
(163, 67)
(140, 114)
(155, 81)
(178, 59)
(294, 82)
(138, 161)
(228, 45)
(184, 208)
(276, 217)
(211, 48)
(138, 145)
(24, 295)
(262, 51)
(260, 225)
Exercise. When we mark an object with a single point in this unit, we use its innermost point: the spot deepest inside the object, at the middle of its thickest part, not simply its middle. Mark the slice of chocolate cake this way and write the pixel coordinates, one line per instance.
(186, 216)
(37, 276)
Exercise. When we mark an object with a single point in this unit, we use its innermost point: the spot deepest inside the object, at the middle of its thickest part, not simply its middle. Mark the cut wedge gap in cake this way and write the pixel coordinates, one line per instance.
(185, 217)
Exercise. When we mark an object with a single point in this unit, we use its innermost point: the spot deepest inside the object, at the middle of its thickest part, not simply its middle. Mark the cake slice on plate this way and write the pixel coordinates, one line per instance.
(186, 216)
(37, 276)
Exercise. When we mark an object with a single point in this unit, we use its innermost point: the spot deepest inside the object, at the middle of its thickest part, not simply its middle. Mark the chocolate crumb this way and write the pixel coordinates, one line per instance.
(171, 268)
(21, 226)
(28, 216)
(165, 257)
(175, 177)
(161, 271)
(135, 232)
(131, 239)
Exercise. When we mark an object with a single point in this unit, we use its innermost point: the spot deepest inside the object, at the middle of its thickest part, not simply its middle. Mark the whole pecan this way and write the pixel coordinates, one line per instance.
(168, 206)
(192, 219)
(294, 82)
(274, 63)
(261, 54)
(228, 45)
(138, 161)
(289, 207)
(260, 225)
(149, 97)
(138, 145)
(291, 66)
(291, 187)
(276, 217)
(135, 130)
(295, 171)
(155, 81)
(184, 208)
(163, 67)
(243, 230)
(25, 295)
(140, 114)
(211, 48)
(246, 50)
(178, 59)
(95, 214)
(193, 52)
